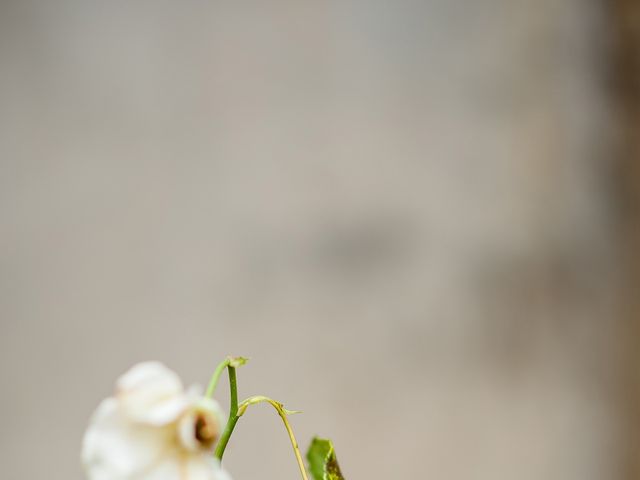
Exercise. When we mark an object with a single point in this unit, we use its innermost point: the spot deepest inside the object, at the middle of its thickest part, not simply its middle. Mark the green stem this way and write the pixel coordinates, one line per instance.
(216, 376)
(233, 413)
(230, 362)
(283, 415)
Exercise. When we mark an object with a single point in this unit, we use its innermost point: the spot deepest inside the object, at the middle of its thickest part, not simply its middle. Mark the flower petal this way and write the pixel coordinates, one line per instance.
(151, 393)
(114, 448)
(203, 467)
(169, 468)
(201, 426)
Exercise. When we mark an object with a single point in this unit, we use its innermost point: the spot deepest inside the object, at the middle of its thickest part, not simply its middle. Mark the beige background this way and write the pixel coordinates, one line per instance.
(403, 211)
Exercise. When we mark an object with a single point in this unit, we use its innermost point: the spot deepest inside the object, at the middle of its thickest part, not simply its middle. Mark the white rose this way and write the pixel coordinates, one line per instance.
(152, 429)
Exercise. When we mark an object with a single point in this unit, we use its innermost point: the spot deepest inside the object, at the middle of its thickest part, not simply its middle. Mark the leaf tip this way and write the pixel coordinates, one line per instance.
(323, 464)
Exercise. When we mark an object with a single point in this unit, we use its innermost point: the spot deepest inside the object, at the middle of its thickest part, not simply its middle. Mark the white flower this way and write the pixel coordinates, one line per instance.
(152, 429)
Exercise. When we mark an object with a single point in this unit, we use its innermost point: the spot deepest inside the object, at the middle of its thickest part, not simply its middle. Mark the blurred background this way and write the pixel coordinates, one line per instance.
(418, 218)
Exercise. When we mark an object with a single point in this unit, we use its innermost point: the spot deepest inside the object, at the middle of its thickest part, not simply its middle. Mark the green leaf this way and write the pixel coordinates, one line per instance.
(323, 464)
